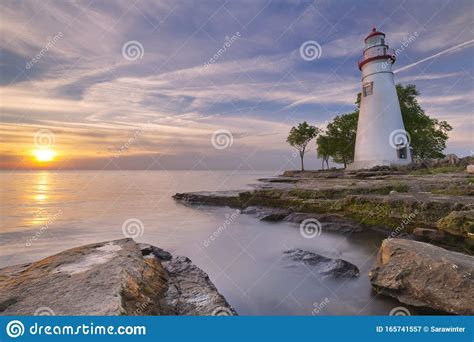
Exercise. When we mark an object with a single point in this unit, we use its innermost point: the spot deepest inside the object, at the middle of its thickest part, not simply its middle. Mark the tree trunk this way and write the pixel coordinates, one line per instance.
(302, 157)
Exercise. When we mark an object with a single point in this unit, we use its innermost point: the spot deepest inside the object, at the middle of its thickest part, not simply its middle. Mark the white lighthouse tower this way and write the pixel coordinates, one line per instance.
(381, 137)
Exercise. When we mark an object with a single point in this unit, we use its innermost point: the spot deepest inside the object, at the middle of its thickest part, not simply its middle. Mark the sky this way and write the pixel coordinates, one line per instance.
(211, 84)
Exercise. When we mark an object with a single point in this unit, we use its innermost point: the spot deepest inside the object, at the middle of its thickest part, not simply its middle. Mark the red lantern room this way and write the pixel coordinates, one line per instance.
(376, 48)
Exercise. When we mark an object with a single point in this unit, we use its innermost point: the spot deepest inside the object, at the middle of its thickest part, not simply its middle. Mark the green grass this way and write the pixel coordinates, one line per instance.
(340, 193)
(454, 191)
(438, 170)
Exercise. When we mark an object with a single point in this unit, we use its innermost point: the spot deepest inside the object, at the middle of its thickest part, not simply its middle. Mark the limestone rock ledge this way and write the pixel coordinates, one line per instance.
(421, 274)
(117, 277)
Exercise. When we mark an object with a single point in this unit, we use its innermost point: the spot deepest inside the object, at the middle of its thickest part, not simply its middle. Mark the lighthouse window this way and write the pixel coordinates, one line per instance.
(367, 89)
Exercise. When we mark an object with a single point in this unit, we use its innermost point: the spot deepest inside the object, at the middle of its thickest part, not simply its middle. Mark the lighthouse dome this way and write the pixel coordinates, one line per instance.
(376, 49)
(374, 33)
(374, 38)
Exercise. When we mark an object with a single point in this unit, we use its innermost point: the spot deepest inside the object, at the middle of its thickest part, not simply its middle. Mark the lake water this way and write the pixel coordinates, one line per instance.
(43, 213)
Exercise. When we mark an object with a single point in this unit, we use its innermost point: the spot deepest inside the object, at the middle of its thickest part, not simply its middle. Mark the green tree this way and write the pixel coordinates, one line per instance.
(338, 141)
(428, 135)
(323, 150)
(300, 136)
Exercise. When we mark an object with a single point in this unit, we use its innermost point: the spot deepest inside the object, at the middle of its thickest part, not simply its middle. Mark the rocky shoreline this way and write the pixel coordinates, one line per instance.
(427, 217)
(438, 208)
(118, 277)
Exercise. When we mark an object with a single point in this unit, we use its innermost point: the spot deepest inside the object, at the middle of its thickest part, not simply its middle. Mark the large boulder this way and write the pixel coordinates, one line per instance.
(421, 274)
(449, 159)
(118, 277)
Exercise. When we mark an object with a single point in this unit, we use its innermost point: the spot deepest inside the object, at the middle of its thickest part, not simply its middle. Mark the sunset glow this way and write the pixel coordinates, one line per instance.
(44, 155)
(121, 98)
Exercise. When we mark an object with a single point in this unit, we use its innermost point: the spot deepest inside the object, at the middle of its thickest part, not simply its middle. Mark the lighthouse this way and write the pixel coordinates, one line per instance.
(381, 137)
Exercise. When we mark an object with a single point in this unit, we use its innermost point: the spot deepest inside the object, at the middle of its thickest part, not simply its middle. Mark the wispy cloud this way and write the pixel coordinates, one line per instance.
(429, 77)
(451, 49)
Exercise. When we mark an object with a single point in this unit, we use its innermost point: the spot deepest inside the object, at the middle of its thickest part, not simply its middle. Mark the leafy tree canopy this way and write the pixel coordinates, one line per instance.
(428, 135)
(300, 136)
(338, 141)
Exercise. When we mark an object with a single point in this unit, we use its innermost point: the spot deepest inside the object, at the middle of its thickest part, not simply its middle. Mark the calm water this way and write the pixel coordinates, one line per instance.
(66, 209)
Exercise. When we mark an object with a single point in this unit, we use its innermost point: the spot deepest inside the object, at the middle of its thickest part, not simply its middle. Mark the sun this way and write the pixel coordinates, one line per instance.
(44, 155)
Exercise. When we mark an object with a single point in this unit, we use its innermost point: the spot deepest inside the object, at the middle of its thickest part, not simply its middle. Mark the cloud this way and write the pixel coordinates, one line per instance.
(94, 100)
(457, 47)
(429, 77)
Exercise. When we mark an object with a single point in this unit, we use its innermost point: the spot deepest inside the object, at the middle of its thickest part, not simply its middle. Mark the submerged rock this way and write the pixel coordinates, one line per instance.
(329, 222)
(421, 274)
(118, 277)
(323, 265)
(267, 214)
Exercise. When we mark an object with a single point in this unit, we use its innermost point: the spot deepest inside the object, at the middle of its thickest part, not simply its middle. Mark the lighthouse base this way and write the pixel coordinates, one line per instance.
(368, 164)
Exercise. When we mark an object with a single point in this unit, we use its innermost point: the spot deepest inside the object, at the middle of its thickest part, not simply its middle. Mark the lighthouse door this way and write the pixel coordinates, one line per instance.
(402, 151)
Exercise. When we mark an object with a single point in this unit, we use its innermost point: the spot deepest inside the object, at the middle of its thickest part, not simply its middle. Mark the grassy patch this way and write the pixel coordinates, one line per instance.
(399, 187)
(438, 170)
(454, 191)
(340, 193)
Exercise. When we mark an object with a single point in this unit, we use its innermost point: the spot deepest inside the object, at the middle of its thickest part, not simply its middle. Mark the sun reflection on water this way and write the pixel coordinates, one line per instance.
(39, 197)
(41, 187)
